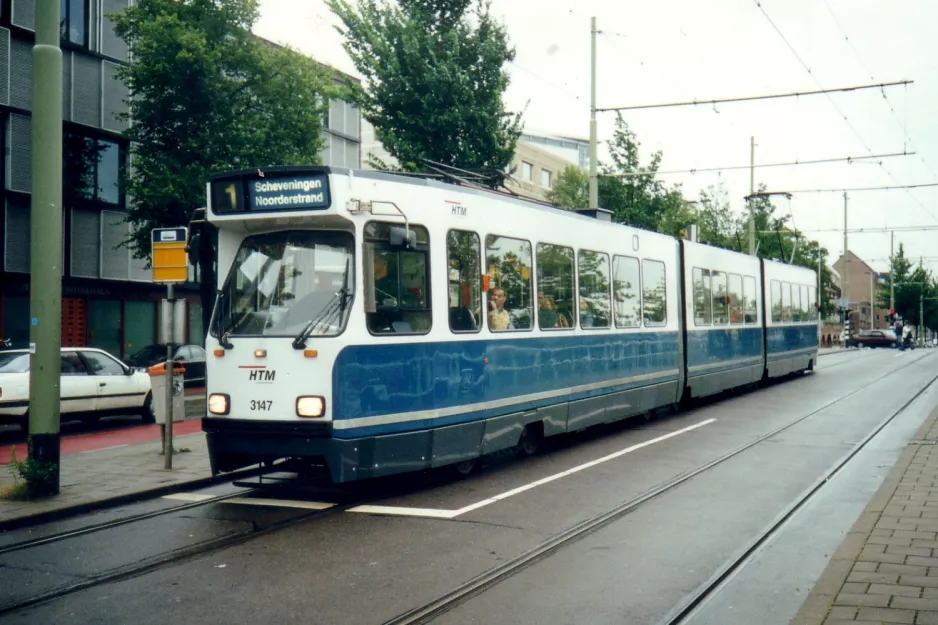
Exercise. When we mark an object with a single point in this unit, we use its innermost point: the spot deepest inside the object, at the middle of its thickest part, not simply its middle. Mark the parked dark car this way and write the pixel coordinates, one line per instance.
(872, 338)
(192, 358)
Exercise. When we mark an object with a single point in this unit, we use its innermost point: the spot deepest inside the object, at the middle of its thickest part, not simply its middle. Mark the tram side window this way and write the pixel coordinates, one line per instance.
(397, 294)
(718, 283)
(702, 297)
(464, 287)
(593, 270)
(510, 294)
(750, 307)
(805, 305)
(556, 300)
(655, 293)
(776, 301)
(786, 302)
(735, 283)
(795, 303)
(627, 291)
(812, 302)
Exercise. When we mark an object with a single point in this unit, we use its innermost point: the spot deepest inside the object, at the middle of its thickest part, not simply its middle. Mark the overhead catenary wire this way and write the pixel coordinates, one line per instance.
(854, 189)
(902, 123)
(834, 104)
(774, 96)
(696, 170)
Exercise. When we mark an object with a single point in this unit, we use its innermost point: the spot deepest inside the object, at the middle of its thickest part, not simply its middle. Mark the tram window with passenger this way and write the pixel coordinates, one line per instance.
(593, 272)
(464, 287)
(282, 282)
(655, 293)
(556, 298)
(735, 285)
(751, 308)
(786, 301)
(720, 308)
(776, 301)
(510, 293)
(627, 289)
(702, 298)
(397, 290)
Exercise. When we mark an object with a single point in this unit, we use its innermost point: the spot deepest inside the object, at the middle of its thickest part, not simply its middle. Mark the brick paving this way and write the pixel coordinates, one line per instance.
(95, 477)
(886, 569)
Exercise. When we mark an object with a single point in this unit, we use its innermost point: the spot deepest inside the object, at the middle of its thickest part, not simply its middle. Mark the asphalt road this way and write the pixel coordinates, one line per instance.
(339, 566)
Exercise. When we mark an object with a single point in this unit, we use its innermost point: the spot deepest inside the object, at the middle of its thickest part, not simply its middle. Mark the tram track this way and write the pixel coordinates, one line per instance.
(429, 611)
(106, 525)
(175, 556)
(419, 615)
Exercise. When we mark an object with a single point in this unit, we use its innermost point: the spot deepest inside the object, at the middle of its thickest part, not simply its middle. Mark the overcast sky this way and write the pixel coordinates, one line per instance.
(678, 50)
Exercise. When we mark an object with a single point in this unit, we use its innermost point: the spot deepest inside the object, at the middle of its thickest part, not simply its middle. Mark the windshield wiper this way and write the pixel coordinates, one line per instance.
(328, 311)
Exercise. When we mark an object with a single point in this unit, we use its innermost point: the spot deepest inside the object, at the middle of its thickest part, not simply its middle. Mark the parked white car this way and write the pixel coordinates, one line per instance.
(93, 384)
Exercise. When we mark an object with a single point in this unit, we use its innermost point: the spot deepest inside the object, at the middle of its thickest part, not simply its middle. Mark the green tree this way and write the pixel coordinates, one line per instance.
(571, 189)
(208, 96)
(434, 79)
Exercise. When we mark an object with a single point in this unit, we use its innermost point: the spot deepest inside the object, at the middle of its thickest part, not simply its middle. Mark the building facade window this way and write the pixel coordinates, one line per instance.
(545, 178)
(92, 169)
(527, 171)
(74, 21)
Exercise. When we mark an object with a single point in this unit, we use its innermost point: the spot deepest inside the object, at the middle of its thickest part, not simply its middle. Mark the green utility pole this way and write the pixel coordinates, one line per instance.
(45, 284)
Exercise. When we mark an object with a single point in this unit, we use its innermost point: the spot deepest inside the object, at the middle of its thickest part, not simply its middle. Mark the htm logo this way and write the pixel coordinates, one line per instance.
(262, 376)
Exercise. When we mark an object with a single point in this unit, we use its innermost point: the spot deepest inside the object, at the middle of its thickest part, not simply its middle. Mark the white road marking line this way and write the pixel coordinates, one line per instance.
(450, 514)
(280, 503)
(188, 496)
(398, 511)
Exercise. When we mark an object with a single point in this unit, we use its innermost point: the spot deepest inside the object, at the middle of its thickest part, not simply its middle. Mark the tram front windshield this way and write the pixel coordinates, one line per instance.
(283, 282)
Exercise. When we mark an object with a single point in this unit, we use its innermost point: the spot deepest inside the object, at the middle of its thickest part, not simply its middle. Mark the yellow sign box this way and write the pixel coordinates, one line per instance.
(170, 260)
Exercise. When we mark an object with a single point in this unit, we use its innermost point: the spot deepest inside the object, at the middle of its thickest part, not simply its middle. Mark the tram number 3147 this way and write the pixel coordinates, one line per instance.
(261, 404)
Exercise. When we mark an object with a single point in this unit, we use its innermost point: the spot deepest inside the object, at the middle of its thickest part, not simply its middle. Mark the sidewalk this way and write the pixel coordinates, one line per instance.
(886, 570)
(91, 478)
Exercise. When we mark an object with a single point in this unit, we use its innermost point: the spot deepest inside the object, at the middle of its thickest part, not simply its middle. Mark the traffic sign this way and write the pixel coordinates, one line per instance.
(170, 260)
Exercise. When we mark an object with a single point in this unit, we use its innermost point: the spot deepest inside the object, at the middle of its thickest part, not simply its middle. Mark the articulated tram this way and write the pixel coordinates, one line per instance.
(377, 323)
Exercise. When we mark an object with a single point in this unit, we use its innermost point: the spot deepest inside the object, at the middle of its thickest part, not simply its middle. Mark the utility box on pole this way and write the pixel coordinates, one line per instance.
(158, 382)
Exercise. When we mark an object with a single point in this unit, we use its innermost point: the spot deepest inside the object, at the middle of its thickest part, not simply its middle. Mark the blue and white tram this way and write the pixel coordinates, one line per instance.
(381, 324)
(723, 319)
(790, 295)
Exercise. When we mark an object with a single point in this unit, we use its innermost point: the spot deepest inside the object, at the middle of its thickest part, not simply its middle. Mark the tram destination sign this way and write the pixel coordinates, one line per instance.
(271, 193)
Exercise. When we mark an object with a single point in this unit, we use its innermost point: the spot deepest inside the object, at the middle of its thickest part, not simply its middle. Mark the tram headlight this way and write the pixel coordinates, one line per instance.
(219, 403)
(310, 406)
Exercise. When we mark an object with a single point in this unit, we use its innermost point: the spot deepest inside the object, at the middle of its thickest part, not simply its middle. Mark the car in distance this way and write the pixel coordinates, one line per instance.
(93, 384)
(872, 338)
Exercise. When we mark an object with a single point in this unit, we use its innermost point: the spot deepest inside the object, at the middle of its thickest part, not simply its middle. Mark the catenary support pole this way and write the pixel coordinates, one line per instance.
(752, 190)
(846, 267)
(45, 283)
(168, 428)
(594, 181)
(892, 274)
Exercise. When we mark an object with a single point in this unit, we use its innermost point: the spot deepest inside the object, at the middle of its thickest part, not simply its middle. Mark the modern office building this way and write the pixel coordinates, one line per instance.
(109, 300)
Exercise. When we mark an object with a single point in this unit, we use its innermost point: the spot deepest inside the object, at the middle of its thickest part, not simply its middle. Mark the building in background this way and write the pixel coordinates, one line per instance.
(540, 159)
(108, 299)
(864, 283)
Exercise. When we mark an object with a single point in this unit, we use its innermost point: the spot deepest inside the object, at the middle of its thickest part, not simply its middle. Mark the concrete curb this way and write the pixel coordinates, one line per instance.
(817, 605)
(67, 512)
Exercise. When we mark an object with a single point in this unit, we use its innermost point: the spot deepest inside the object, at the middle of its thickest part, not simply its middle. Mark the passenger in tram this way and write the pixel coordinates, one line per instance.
(548, 315)
(499, 319)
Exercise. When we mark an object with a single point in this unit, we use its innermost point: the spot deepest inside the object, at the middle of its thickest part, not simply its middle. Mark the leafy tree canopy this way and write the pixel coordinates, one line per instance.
(433, 82)
(208, 96)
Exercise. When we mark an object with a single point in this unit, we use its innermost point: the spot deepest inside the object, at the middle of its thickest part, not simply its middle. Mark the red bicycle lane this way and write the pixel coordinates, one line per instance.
(97, 441)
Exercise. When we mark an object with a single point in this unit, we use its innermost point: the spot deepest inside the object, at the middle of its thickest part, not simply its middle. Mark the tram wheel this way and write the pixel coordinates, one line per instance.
(465, 467)
(530, 439)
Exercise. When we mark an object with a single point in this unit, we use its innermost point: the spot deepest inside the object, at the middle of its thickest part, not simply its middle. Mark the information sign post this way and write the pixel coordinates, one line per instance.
(170, 267)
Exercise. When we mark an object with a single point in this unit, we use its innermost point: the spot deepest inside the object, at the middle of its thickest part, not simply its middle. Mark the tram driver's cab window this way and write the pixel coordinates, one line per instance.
(397, 278)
